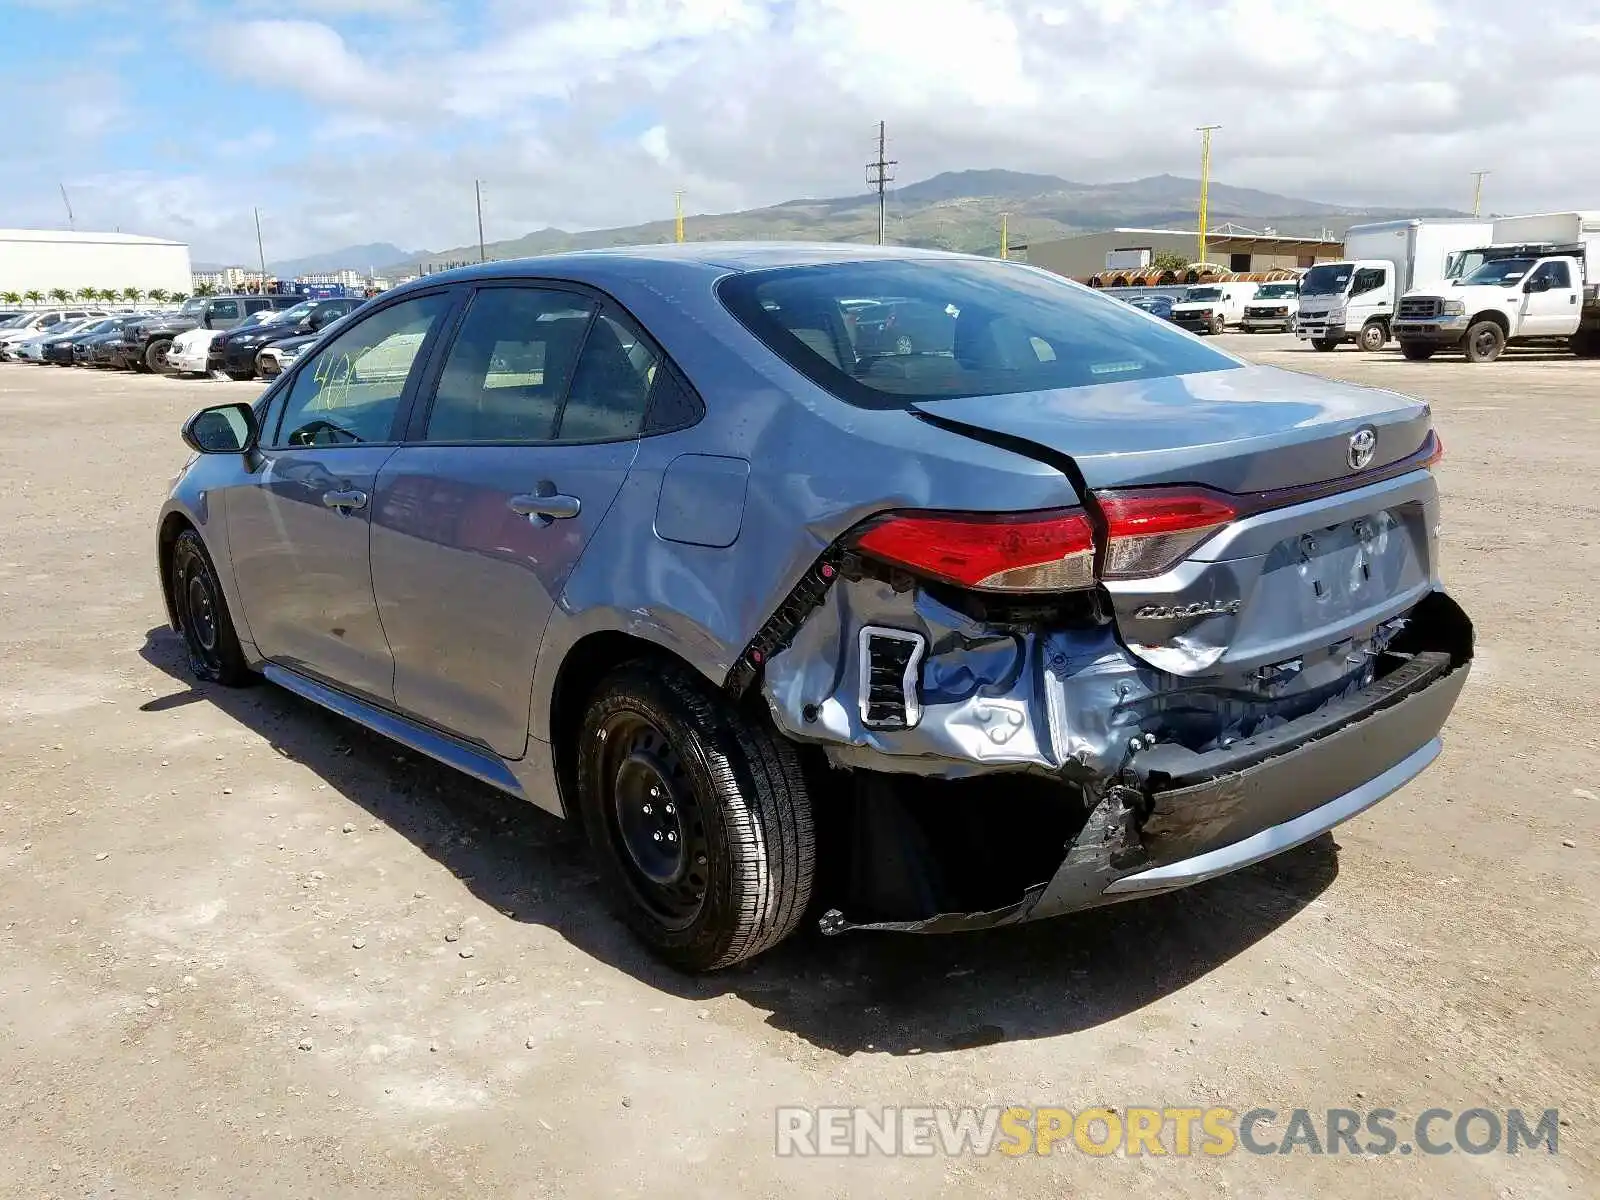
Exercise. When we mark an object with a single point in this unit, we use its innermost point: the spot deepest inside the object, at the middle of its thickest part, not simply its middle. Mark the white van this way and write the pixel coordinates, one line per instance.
(1212, 307)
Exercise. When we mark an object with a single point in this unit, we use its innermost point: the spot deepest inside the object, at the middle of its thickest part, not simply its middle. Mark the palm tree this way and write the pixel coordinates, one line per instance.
(108, 294)
(178, 297)
(11, 297)
(60, 295)
(33, 296)
(206, 289)
(132, 294)
(159, 295)
(88, 293)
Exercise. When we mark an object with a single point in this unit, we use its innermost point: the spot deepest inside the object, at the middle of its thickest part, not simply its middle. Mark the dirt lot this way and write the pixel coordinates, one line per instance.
(249, 950)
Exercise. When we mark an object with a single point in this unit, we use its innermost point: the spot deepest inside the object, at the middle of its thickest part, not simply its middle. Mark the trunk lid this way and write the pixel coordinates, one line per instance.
(1299, 572)
(1250, 429)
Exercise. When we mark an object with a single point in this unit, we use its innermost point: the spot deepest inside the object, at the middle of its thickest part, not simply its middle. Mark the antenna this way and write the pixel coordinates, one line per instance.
(677, 205)
(261, 253)
(880, 176)
(71, 221)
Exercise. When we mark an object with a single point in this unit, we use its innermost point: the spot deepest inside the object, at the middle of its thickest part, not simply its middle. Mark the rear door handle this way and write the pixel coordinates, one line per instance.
(346, 501)
(550, 506)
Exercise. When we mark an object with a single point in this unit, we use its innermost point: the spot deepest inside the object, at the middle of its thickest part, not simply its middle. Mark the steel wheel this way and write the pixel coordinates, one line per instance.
(202, 616)
(654, 819)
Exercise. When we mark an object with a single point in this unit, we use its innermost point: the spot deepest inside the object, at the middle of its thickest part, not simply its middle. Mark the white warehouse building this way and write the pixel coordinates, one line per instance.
(43, 259)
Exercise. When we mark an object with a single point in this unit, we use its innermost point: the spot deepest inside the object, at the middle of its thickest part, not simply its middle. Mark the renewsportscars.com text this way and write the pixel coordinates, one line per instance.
(1212, 1131)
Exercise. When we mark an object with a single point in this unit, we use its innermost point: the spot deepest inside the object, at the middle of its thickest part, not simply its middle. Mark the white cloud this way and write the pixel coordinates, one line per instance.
(752, 101)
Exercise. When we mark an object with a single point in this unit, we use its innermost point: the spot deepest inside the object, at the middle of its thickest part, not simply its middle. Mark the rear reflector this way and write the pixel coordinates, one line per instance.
(1049, 551)
(1152, 529)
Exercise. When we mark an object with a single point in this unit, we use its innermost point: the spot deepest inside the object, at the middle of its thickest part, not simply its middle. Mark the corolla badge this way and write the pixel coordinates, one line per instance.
(1363, 444)
(1200, 608)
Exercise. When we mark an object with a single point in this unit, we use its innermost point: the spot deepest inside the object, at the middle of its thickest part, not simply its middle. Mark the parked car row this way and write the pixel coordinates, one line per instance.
(230, 334)
(1214, 307)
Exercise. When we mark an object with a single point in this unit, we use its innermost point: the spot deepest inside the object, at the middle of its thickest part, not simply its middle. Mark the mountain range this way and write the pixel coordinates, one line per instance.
(956, 210)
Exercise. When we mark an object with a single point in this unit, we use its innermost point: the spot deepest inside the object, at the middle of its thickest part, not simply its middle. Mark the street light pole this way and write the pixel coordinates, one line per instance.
(1205, 182)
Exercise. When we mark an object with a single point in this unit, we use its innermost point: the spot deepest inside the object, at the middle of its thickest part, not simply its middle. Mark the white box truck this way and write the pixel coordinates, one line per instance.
(1539, 281)
(1353, 300)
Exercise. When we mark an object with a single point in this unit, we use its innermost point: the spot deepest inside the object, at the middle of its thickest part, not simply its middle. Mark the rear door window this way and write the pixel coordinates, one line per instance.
(888, 333)
(224, 310)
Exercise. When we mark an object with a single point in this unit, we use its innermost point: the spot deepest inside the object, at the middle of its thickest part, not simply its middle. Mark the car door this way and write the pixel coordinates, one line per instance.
(1550, 305)
(1368, 297)
(298, 527)
(480, 518)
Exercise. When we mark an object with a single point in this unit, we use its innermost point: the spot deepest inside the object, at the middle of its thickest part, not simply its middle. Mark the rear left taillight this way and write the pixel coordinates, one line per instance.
(1151, 530)
(1048, 551)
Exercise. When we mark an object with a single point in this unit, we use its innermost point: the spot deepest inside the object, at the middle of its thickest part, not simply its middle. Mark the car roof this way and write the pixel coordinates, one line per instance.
(721, 257)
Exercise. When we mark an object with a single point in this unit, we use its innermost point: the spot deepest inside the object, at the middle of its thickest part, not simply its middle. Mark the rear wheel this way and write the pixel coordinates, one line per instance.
(203, 619)
(1586, 344)
(698, 816)
(242, 376)
(155, 355)
(1417, 351)
(1373, 336)
(1325, 344)
(1485, 340)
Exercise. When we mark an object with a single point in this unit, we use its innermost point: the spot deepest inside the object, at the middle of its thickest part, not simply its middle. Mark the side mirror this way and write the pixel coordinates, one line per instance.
(222, 429)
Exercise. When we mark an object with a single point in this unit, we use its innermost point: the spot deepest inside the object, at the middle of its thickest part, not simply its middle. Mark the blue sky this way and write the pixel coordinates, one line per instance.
(352, 121)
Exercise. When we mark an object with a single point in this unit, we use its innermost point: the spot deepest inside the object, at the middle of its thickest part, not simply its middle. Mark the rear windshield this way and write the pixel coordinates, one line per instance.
(884, 334)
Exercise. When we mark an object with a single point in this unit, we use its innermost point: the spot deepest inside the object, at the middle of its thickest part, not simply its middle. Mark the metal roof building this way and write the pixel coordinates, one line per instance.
(1229, 247)
(43, 259)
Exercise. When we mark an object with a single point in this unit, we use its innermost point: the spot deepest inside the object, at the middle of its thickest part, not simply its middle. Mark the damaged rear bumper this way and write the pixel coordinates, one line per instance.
(1180, 818)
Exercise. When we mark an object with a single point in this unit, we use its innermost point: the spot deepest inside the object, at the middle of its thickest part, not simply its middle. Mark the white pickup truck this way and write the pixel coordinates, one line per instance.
(1538, 282)
(1353, 300)
(1272, 307)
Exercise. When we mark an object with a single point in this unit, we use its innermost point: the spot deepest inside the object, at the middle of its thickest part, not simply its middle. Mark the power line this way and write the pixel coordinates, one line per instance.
(879, 175)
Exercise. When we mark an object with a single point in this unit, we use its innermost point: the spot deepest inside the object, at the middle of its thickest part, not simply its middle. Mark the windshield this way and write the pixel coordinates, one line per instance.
(304, 309)
(1462, 262)
(1502, 272)
(13, 321)
(1276, 291)
(191, 306)
(1203, 293)
(1000, 328)
(1327, 279)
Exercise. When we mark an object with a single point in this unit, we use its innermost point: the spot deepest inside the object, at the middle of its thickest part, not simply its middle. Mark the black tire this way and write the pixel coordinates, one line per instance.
(155, 355)
(1217, 324)
(203, 618)
(1325, 344)
(242, 376)
(1484, 341)
(1372, 337)
(1418, 351)
(698, 817)
(1586, 344)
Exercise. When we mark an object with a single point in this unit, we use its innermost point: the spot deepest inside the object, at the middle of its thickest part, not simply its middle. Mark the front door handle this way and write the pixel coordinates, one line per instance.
(545, 506)
(346, 501)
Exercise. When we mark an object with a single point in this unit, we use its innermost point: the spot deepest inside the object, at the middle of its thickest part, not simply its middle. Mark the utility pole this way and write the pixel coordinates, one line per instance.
(1005, 244)
(1205, 182)
(71, 220)
(477, 189)
(677, 207)
(261, 254)
(880, 176)
(1477, 190)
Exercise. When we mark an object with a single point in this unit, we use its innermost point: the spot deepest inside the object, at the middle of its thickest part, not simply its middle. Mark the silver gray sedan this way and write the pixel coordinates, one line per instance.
(1050, 606)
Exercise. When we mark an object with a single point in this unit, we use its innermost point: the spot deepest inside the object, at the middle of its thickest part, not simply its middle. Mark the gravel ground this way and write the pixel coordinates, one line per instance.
(250, 950)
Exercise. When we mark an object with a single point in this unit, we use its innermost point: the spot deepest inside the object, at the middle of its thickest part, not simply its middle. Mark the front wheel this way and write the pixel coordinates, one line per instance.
(1485, 340)
(1417, 351)
(1217, 324)
(1325, 344)
(698, 816)
(156, 355)
(203, 618)
(241, 376)
(1373, 336)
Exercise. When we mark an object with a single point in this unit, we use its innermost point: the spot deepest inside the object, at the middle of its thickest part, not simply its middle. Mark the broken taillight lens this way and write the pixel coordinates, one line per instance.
(1150, 530)
(1048, 551)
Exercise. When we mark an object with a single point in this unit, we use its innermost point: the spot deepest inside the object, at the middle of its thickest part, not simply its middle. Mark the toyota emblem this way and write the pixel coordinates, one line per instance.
(1363, 444)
